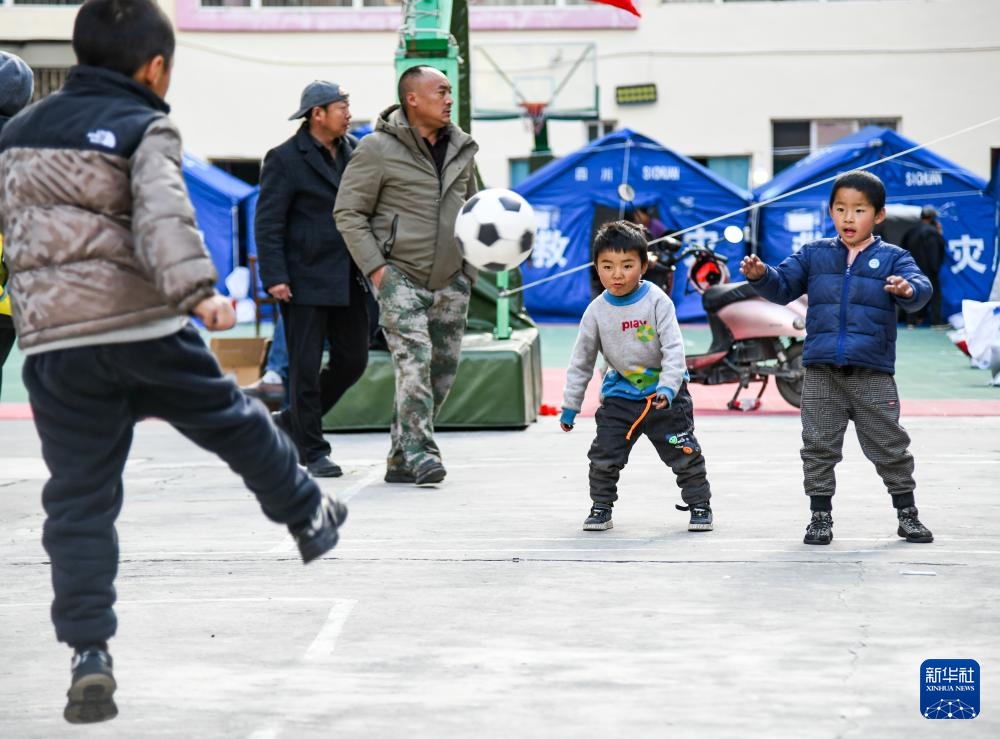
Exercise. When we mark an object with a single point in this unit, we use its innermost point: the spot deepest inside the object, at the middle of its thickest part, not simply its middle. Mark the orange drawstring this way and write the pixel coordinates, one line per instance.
(645, 411)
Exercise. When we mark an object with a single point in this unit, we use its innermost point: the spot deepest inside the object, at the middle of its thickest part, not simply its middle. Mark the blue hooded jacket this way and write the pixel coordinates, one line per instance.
(851, 318)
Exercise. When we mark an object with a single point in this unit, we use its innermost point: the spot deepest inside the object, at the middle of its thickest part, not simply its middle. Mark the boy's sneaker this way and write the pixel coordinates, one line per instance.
(598, 520)
(92, 689)
(820, 528)
(910, 527)
(701, 516)
(319, 535)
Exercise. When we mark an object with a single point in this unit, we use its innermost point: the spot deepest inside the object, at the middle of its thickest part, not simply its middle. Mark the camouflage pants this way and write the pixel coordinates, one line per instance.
(424, 330)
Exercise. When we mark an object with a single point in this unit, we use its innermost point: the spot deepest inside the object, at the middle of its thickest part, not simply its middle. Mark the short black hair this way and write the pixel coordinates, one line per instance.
(406, 81)
(623, 237)
(864, 182)
(122, 35)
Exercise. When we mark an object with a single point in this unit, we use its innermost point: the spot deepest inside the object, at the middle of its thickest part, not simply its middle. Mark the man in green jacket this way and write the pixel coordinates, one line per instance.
(396, 210)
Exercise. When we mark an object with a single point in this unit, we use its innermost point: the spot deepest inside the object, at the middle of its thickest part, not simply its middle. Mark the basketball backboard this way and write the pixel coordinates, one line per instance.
(509, 79)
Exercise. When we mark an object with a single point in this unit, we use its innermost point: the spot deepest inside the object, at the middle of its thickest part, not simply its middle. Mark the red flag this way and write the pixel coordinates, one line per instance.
(623, 4)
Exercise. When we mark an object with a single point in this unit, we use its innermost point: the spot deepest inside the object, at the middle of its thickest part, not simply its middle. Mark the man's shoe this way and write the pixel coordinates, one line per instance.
(319, 534)
(399, 474)
(431, 472)
(92, 688)
(820, 528)
(701, 516)
(599, 519)
(270, 393)
(324, 467)
(910, 527)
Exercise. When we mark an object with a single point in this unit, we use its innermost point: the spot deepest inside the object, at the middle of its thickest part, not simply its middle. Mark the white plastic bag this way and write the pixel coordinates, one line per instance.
(982, 330)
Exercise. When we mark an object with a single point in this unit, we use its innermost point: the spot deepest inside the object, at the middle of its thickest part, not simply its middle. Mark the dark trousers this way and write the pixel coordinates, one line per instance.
(832, 396)
(86, 402)
(671, 431)
(7, 338)
(314, 389)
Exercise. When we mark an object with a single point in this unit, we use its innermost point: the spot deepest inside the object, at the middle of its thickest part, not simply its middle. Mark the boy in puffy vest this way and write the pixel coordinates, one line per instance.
(107, 266)
(854, 283)
(634, 325)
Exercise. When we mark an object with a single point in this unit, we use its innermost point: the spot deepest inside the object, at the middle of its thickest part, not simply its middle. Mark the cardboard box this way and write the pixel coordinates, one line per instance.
(241, 358)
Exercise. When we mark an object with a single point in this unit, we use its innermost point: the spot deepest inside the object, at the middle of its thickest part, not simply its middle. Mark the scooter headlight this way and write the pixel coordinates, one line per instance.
(799, 323)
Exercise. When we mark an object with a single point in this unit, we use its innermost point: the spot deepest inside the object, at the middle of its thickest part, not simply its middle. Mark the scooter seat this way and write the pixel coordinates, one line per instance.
(719, 296)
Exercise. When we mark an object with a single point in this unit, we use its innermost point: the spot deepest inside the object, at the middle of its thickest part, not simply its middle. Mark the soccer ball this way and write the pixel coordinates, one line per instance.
(495, 229)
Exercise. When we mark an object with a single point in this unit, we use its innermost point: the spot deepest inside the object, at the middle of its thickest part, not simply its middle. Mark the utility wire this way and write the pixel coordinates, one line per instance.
(754, 206)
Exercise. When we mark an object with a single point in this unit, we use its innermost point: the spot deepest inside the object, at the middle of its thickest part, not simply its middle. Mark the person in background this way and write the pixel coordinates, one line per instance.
(16, 86)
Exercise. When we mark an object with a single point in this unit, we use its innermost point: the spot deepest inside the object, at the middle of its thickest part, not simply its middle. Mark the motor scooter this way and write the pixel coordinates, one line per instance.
(752, 338)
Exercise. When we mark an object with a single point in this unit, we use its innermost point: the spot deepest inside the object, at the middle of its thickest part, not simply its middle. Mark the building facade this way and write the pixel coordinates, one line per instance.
(745, 86)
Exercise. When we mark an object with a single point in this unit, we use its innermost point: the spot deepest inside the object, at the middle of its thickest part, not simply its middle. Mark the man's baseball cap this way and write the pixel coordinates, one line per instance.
(317, 94)
(928, 211)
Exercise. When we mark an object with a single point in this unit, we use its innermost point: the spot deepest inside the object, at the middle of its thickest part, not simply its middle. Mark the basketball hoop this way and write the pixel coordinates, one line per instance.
(535, 112)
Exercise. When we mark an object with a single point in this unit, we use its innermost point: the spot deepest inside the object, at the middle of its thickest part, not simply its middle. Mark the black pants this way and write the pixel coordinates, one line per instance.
(832, 396)
(86, 402)
(314, 389)
(671, 431)
(7, 338)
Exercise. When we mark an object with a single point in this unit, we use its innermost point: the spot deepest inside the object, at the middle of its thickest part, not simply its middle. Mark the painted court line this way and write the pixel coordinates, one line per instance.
(325, 642)
(288, 544)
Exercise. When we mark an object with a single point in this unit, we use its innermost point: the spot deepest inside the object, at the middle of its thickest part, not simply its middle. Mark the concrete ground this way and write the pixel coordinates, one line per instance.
(480, 608)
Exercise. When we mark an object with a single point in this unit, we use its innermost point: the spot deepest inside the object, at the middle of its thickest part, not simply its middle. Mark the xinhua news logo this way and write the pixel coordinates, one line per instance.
(949, 688)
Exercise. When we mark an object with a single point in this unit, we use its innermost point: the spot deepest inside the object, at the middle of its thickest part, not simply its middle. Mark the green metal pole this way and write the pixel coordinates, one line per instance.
(502, 330)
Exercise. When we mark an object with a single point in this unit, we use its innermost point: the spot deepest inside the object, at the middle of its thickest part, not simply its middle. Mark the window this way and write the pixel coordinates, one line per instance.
(735, 169)
(48, 80)
(794, 140)
(596, 129)
(247, 170)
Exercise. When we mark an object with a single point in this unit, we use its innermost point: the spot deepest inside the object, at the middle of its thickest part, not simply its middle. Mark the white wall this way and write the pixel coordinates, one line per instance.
(723, 71)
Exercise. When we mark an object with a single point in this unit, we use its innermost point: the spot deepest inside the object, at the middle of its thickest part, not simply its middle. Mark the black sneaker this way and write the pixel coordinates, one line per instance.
(820, 528)
(324, 467)
(701, 516)
(92, 689)
(319, 535)
(431, 472)
(399, 474)
(910, 527)
(599, 519)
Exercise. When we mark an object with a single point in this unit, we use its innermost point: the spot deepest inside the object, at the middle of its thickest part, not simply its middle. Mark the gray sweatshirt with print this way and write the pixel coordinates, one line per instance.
(641, 341)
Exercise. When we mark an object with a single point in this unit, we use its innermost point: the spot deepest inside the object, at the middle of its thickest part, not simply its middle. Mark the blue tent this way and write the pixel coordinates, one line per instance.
(572, 195)
(966, 212)
(216, 196)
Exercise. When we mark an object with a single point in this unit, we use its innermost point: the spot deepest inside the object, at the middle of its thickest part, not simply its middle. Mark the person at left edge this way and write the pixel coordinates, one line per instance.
(306, 266)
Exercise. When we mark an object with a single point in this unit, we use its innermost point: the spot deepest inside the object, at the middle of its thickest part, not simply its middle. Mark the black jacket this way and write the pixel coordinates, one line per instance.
(927, 246)
(298, 243)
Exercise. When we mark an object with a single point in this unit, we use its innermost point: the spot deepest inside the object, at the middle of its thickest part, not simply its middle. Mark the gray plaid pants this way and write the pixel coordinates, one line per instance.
(831, 396)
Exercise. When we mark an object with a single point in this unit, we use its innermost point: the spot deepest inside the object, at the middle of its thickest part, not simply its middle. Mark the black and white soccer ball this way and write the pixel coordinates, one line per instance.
(495, 229)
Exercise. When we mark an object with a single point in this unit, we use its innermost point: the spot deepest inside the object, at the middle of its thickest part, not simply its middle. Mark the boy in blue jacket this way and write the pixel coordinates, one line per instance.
(854, 283)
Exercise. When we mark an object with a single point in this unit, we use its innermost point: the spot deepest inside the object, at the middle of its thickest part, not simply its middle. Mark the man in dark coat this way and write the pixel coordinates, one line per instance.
(925, 242)
(306, 266)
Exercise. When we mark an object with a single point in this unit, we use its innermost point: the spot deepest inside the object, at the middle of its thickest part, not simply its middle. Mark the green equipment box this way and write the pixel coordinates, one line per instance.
(499, 385)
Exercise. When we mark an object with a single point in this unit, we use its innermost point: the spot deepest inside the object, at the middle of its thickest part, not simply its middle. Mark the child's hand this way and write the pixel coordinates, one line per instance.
(898, 286)
(661, 401)
(752, 268)
(565, 426)
(216, 313)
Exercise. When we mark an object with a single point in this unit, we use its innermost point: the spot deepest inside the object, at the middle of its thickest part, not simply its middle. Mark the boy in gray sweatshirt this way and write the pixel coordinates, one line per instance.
(634, 325)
